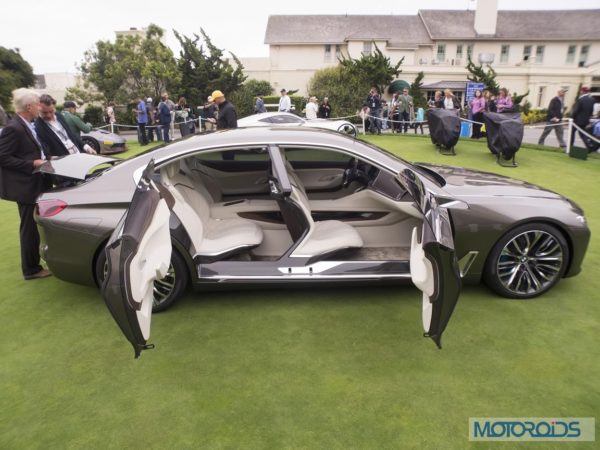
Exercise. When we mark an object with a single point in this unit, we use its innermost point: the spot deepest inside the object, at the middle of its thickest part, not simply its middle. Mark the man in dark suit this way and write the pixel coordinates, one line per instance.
(582, 112)
(556, 110)
(54, 133)
(20, 154)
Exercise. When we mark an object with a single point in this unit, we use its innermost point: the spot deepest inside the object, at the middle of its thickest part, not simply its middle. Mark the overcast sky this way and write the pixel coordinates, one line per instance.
(53, 34)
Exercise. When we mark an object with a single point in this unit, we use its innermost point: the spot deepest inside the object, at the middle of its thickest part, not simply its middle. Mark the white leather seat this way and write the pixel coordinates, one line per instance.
(325, 236)
(210, 237)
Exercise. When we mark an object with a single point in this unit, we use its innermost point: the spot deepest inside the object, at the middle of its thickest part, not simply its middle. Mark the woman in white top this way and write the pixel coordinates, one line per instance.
(312, 108)
(450, 101)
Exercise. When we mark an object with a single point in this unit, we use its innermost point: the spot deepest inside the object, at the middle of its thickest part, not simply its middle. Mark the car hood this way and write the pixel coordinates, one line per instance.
(467, 182)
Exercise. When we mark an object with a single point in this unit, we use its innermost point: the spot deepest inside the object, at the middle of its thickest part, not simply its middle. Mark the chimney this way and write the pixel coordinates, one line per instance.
(486, 16)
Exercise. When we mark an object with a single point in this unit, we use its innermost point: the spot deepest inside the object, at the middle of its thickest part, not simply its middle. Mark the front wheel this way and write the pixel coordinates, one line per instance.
(527, 261)
(92, 143)
(167, 290)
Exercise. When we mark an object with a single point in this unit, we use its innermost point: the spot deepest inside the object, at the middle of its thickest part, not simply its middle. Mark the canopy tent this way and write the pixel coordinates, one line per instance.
(398, 85)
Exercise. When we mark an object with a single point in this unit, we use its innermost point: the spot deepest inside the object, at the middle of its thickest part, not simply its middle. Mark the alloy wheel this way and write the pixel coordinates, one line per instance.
(530, 262)
(347, 129)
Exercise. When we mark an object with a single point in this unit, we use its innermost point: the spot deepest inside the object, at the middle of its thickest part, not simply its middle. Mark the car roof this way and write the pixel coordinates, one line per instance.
(280, 135)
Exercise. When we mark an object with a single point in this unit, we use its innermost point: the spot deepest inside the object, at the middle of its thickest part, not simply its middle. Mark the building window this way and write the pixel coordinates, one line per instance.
(571, 54)
(459, 51)
(504, 53)
(540, 98)
(441, 53)
(327, 52)
(583, 54)
(338, 51)
(539, 54)
(470, 51)
(367, 47)
(526, 52)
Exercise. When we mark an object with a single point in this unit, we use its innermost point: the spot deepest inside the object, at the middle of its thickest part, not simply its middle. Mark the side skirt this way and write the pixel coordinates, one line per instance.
(289, 269)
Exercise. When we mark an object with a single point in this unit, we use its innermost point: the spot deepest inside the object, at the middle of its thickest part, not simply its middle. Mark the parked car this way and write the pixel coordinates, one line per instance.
(275, 206)
(104, 142)
(271, 119)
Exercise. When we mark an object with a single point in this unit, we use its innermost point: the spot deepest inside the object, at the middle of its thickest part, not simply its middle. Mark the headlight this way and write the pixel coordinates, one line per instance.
(581, 219)
(108, 142)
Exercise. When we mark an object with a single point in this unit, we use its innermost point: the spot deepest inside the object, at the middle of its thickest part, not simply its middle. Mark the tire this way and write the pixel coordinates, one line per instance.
(527, 261)
(348, 129)
(92, 143)
(166, 291)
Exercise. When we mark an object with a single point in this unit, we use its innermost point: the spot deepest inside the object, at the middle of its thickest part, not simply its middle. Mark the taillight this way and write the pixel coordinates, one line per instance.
(49, 208)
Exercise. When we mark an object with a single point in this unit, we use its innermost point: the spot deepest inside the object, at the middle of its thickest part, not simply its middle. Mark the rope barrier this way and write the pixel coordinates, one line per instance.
(585, 133)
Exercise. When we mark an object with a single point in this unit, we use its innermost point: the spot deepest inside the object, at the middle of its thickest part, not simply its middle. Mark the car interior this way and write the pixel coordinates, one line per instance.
(305, 202)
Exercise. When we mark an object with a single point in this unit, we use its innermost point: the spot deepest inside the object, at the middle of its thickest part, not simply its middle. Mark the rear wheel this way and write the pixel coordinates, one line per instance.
(527, 261)
(348, 129)
(167, 290)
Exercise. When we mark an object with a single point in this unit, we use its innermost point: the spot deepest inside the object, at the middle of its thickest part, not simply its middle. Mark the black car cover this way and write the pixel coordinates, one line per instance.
(504, 133)
(444, 127)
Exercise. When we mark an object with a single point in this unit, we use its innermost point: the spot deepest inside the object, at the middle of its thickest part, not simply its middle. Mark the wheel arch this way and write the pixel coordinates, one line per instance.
(177, 245)
(543, 220)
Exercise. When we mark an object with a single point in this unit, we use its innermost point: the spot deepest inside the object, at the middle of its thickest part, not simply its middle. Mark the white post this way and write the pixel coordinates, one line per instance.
(112, 127)
(569, 134)
(364, 131)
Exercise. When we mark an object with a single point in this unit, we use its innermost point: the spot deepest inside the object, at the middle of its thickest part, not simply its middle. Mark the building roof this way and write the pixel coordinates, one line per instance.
(397, 30)
(406, 31)
(577, 24)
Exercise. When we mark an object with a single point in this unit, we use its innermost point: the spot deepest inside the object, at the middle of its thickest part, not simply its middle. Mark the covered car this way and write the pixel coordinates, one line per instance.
(444, 128)
(504, 133)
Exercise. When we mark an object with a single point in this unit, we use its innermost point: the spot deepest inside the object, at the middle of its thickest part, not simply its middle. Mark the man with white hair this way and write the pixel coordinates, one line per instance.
(20, 154)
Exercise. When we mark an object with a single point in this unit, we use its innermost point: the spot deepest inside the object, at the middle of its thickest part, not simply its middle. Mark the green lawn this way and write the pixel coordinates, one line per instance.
(331, 369)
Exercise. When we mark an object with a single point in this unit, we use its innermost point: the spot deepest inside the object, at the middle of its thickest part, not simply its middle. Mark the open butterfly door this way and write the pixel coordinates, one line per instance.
(138, 252)
(433, 265)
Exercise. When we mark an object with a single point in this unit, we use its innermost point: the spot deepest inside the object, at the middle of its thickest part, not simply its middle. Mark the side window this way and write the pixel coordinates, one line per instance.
(237, 154)
(266, 119)
(315, 154)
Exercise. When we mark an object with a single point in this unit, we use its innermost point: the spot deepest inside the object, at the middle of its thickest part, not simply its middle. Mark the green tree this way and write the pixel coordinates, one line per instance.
(419, 99)
(259, 87)
(374, 69)
(517, 99)
(131, 67)
(83, 93)
(203, 68)
(15, 73)
(244, 98)
(480, 75)
(345, 91)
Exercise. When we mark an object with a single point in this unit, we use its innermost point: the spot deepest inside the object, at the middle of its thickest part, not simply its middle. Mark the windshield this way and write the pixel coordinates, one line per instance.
(430, 174)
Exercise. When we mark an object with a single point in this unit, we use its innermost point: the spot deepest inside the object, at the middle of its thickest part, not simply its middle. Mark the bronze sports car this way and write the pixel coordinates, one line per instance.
(298, 206)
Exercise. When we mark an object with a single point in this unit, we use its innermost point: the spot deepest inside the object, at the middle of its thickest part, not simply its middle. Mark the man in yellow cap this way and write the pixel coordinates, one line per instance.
(227, 117)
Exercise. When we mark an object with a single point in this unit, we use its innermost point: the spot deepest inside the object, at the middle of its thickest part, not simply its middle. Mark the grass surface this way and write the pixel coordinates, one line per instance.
(303, 368)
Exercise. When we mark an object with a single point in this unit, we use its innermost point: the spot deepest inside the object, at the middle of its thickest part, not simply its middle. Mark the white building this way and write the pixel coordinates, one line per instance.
(55, 84)
(535, 51)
